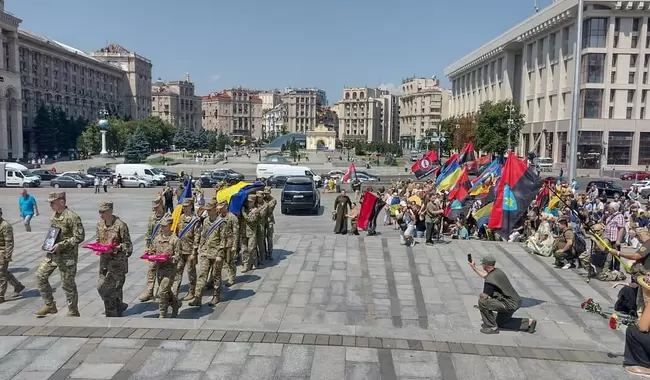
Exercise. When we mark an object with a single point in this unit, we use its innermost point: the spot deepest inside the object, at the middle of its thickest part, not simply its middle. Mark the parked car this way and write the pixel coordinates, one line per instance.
(133, 181)
(641, 184)
(169, 175)
(68, 181)
(205, 181)
(80, 174)
(335, 174)
(635, 176)
(46, 175)
(609, 188)
(300, 194)
(86, 179)
(368, 176)
(100, 171)
(277, 181)
(228, 175)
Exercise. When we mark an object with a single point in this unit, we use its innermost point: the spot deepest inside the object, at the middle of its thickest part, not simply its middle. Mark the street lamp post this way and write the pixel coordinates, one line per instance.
(511, 123)
(103, 127)
(575, 111)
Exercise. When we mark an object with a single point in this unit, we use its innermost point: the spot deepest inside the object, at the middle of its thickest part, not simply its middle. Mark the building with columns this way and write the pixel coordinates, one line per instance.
(273, 121)
(532, 64)
(360, 113)
(421, 108)
(236, 112)
(176, 103)
(303, 106)
(11, 127)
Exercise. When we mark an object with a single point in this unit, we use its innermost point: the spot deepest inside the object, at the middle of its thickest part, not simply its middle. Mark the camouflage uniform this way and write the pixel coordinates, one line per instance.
(6, 250)
(113, 266)
(153, 228)
(213, 245)
(232, 238)
(260, 234)
(166, 243)
(250, 215)
(189, 235)
(270, 222)
(64, 257)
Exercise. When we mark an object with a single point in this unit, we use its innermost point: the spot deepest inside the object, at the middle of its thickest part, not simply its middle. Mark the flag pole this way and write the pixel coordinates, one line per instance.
(575, 110)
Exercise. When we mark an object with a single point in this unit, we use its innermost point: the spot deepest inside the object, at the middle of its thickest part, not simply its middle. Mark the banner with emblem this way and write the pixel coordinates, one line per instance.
(426, 165)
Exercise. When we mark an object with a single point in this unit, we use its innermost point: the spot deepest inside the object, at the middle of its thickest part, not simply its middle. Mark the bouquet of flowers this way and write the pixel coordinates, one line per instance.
(100, 248)
(615, 320)
(593, 307)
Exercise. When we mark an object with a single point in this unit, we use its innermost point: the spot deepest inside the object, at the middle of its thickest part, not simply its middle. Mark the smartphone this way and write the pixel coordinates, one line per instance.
(469, 258)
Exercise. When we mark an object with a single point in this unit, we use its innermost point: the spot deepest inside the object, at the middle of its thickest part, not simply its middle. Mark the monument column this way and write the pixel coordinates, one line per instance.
(2, 50)
(17, 129)
(4, 135)
(14, 52)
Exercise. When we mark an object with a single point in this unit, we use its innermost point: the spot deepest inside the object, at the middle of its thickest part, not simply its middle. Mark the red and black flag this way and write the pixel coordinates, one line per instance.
(518, 186)
(467, 154)
(458, 195)
(543, 198)
(370, 209)
(425, 165)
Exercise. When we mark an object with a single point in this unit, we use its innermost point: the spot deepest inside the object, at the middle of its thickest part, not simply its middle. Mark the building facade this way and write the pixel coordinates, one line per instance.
(11, 126)
(236, 112)
(273, 121)
(361, 114)
(137, 69)
(533, 65)
(56, 75)
(270, 99)
(303, 106)
(390, 118)
(421, 108)
(176, 103)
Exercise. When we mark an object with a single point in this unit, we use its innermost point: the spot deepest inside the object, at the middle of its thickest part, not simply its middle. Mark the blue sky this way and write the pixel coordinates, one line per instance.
(283, 43)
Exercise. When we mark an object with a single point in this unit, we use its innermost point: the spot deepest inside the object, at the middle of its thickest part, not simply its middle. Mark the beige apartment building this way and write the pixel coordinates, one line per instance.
(360, 113)
(137, 70)
(176, 103)
(11, 126)
(390, 126)
(236, 112)
(302, 106)
(270, 99)
(421, 108)
(532, 63)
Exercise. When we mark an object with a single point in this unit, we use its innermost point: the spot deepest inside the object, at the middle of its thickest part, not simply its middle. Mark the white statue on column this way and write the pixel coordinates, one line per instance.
(103, 127)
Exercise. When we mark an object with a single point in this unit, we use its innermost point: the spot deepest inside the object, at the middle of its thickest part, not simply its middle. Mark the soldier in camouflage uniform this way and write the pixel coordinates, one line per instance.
(212, 251)
(166, 242)
(113, 265)
(232, 236)
(260, 234)
(250, 216)
(153, 228)
(63, 255)
(6, 250)
(189, 236)
(270, 222)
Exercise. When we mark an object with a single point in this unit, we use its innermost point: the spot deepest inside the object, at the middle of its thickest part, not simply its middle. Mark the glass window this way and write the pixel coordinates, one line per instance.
(595, 32)
(644, 148)
(619, 148)
(593, 68)
(551, 46)
(589, 149)
(592, 103)
(561, 139)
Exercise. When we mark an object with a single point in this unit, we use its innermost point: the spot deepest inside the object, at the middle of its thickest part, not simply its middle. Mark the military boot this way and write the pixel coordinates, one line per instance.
(111, 313)
(73, 313)
(214, 301)
(176, 307)
(230, 282)
(189, 296)
(46, 309)
(196, 302)
(146, 296)
(17, 290)
(122, 308)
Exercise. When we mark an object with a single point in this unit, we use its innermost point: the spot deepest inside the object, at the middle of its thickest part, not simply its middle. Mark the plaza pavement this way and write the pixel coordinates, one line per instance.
(328, 307)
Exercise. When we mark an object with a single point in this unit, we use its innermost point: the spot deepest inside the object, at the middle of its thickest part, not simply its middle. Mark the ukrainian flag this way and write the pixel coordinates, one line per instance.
(178, 211)
(482, 215)
(449, 177)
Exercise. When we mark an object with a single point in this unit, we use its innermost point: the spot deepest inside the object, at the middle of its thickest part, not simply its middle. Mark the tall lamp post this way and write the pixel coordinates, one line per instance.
(511, 123)
(103, 127)
(575, 111)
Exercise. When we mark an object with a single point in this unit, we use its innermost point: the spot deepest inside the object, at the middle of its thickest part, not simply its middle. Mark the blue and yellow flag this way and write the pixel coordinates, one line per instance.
(178, 211)
(449, 177)
(482, 215)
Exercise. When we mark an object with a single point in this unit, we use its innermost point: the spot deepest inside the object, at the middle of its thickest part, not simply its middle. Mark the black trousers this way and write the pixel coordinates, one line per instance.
(637, 347)
(430, 231)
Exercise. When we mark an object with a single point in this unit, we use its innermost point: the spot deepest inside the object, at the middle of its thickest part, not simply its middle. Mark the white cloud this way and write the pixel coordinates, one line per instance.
(215, 77)
(391, 88)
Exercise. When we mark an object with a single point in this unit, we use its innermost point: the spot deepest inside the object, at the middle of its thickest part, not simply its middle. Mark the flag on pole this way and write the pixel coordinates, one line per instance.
(178, 210)
(425, 165)
(350, 175)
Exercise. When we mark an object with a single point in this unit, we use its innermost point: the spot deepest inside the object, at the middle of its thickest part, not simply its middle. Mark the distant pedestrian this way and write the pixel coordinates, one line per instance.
(97, 183)
(28, 209)
(105, 184)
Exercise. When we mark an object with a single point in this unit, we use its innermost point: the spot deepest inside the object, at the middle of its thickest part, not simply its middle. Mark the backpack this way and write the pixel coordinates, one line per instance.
(579, 244)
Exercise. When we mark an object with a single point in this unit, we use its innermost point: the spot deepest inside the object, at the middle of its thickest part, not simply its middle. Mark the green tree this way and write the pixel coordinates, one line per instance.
(183, 139)
(448, 129)
(293, 149)
(90, 140)
(45, 133)
(492, 126)
(222, 140)
(137, 150)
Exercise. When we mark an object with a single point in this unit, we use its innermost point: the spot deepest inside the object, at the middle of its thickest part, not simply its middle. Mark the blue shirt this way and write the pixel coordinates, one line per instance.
(27, 205)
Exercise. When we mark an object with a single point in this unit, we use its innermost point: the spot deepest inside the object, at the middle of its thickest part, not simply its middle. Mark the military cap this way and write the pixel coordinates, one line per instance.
(187, 202)
(210, 205)
(488, 260)
(222, 205)
(157, 202)
(259, 194)
(106, 206)
(251, 197)
(166, 221)
(56, 195)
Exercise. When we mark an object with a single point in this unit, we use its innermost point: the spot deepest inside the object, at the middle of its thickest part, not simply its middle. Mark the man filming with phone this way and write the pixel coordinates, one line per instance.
(498, 296)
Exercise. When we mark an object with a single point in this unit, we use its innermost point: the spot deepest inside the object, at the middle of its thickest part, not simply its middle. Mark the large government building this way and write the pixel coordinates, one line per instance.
(532, 63)
(36, 70)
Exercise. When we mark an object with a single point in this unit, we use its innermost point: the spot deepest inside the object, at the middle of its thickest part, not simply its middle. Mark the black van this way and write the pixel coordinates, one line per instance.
(300, 194)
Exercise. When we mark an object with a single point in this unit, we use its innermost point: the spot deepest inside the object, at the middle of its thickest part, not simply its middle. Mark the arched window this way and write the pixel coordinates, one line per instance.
(361, 95)
(347, 95)
(354, 95)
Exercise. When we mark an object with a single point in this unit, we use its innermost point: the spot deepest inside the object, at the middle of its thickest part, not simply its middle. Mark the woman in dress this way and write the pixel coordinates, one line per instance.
(341, 206)
(541, 243)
